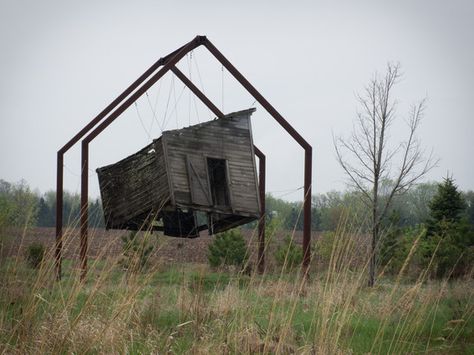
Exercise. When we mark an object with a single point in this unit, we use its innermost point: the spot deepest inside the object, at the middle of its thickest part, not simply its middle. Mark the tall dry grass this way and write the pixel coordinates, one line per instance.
(193, 309)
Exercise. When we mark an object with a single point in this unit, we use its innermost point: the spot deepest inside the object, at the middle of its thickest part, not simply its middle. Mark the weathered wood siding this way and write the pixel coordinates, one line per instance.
(134, 186)
(227, 138)
(162, 182)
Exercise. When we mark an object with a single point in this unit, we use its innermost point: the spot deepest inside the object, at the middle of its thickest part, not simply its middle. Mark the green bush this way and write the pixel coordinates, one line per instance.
(324, 246)
(35, 255)
(136, 252)
(289, 255)
(228, 248)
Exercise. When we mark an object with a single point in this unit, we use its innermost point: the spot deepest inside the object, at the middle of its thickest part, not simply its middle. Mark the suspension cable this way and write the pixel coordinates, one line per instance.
(201, 82)
(160, 126)
(141, 121)
(167, 103)
(190, 74)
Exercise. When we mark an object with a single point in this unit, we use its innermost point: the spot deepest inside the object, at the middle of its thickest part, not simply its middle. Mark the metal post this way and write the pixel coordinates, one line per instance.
(59, 214)
(261, 221)
(258, 153)
(307, 210)
(103, 125)
(301, 141)
(80, 134)
(84, 208)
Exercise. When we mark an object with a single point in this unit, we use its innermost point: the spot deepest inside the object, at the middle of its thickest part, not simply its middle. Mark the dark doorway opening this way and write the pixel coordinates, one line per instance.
(218, 181)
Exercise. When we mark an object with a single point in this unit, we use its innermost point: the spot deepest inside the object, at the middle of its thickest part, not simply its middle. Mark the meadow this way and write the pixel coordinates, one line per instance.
(191, 308)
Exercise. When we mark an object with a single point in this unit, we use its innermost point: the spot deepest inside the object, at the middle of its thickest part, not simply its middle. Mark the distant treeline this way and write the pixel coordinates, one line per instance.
(20, 206)
(329, 209)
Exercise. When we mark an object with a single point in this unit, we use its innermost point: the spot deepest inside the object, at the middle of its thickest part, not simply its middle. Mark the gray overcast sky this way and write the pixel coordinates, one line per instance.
(62, 62)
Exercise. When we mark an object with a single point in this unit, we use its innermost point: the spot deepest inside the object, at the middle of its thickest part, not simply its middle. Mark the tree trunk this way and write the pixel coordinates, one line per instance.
(375, 231)
(372, 261)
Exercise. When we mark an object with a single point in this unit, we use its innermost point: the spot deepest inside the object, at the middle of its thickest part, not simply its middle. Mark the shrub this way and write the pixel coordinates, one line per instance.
(228, 248)
(136, 252)
(324, 246)
(394, 248)
(35, 255)
(289, 255)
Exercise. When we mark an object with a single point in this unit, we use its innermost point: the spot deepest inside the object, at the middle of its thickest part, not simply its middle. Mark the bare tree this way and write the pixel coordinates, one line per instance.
(369, 159)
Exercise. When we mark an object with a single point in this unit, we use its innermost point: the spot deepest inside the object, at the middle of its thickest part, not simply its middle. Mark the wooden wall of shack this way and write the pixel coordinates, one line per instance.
(134, 188)
(172, 172)
(228, 138)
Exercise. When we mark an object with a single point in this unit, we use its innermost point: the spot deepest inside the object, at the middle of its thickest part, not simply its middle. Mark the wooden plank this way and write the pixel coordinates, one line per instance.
(228, 139)
(198, 181)
(133, 186)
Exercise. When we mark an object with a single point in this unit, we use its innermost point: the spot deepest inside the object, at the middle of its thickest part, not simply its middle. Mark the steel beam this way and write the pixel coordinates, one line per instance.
(261, 221)
(59, 215)
(261, 170)
(103, 125)
(293, 133)
(84, 209)
(194, 89)
(77, 137)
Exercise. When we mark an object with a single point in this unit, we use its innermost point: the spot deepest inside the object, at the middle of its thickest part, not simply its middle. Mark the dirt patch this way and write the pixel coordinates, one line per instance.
(103, 244)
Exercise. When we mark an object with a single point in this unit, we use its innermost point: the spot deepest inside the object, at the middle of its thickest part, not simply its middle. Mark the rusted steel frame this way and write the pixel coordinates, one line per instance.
(308, 162)
(258, 153)
(261, 221)
(194, 89)
(84, 209)
(103, 125)
(59, 214)
(76, 138)
(301, 141)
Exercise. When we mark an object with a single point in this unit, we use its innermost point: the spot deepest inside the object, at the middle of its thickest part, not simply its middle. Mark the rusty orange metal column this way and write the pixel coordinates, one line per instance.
(293, 133)
(84, 208)
(77, 137)
(170, 62)
(261, 174)
(261, 221)
(59, 215)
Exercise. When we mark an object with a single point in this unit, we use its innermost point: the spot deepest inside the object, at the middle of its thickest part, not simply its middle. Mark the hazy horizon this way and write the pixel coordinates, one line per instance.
(61, 64)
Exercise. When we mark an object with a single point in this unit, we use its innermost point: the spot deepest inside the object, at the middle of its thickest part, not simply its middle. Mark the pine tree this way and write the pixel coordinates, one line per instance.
(390, 242)
(447, 205)
(45, 217)
(449, 238)
(228, 248)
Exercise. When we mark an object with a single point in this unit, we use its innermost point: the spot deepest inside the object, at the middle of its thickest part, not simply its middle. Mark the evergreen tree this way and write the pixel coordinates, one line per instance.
(448, 204)
(45, 217)
(449, 238)
(228, 248)
(390, 241)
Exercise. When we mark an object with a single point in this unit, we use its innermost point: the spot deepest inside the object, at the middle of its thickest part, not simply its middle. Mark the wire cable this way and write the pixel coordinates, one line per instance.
(141, 121)
(288, 193)
(160, 126)
(201, 82)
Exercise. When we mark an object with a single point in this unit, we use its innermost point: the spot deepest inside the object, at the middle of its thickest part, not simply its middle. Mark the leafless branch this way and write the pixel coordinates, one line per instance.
(366, 156)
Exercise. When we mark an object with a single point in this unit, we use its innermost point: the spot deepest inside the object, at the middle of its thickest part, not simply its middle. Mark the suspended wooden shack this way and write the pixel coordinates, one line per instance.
(190, 179)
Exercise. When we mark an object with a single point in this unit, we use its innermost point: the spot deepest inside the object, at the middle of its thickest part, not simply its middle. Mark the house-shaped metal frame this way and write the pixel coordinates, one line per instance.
(126, 99)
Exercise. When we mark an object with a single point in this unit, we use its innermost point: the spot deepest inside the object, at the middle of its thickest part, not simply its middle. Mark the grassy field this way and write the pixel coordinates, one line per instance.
(190, 308)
